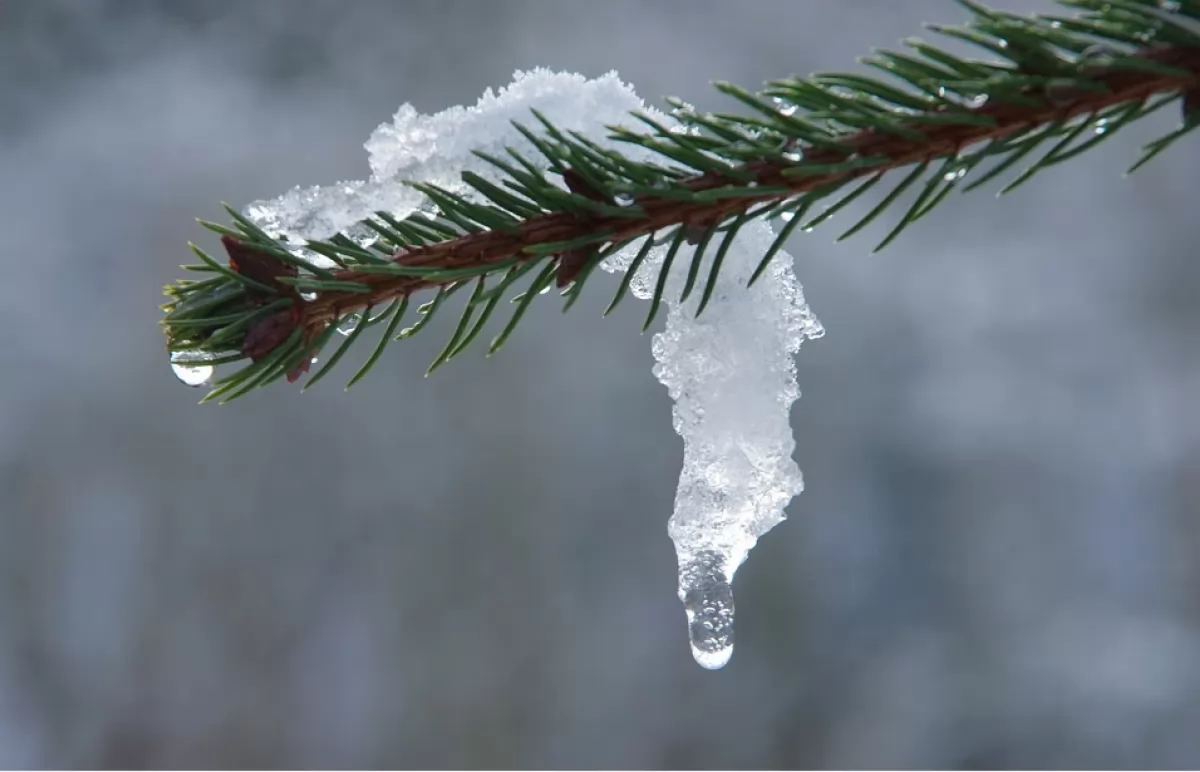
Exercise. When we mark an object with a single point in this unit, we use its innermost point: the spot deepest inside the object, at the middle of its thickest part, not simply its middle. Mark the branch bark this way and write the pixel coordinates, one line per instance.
(939, 141)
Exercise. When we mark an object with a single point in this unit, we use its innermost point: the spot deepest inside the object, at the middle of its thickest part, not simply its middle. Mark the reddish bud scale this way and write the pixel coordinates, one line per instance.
(260, 266)
(577, 184)
(270, 331)
(300, 369)
(570, 264)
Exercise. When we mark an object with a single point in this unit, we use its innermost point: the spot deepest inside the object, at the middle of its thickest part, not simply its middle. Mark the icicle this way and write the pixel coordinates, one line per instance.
(707, 595)
(730, 372)
(732, 376)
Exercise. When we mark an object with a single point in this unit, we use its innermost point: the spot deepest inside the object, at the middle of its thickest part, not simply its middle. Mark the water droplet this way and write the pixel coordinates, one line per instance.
(954, 175)
(786, 216)
(192, 368)
(707, 599)
(544, 290)
(349, 323)
(1101, 126)
(971, 102)
(623, 199)
(1098, 50)
(786, 108)
(1062, 92)
(793, 156)
(308, 297)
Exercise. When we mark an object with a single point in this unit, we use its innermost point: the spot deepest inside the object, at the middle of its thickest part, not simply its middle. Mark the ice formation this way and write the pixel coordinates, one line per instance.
(732, 376)
(730, 372)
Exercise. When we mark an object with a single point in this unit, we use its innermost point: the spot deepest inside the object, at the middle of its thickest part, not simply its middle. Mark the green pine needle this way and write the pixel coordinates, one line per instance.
(1041, 83)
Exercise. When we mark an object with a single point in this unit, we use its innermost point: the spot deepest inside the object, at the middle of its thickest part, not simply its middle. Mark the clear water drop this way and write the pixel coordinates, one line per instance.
(954, 175)
(972, 102)
(349, 323)
(623, 199)
(545, 289)
(1101, 126)
(308, 297)
(786, 216)
(793, 156)
(707, 595)
(785, 107)
(192, 368)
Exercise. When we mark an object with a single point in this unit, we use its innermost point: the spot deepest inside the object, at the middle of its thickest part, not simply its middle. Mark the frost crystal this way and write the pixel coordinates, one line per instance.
(730, 372)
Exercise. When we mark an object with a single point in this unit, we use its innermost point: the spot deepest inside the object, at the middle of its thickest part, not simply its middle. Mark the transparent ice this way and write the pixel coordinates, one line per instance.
(732, 376)
(730, 372)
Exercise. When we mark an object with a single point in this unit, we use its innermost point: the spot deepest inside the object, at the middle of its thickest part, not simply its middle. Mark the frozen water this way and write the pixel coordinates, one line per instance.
(731, 372)
(732, 376)
(707, 594)
(437, 149)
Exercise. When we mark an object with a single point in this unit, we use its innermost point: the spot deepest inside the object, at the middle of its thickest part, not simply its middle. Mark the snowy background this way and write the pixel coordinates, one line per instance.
(995, 563)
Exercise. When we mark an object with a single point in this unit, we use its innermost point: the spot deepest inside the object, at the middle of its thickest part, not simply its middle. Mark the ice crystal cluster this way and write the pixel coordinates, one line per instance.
(730, 372)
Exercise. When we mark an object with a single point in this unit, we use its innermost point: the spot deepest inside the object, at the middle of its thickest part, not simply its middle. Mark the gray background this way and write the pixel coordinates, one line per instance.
(995, 562)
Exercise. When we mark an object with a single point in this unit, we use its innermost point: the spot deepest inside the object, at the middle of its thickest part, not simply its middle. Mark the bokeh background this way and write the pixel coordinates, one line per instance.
(996, 562)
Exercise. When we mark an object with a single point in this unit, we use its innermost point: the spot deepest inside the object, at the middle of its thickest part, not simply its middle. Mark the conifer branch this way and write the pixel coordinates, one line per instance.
(1062, 83)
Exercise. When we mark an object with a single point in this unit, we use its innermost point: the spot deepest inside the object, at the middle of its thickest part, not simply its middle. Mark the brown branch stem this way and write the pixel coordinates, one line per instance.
(939, 141)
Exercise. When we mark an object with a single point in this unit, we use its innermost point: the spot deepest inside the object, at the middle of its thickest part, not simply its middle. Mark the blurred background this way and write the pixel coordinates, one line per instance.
(996, 562)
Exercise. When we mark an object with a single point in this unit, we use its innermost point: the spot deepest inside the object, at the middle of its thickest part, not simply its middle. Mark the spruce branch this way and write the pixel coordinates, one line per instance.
(1055, 87)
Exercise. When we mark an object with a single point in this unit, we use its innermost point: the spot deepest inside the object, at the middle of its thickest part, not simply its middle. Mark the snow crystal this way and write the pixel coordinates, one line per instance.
(437, 149)
(730, 372)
